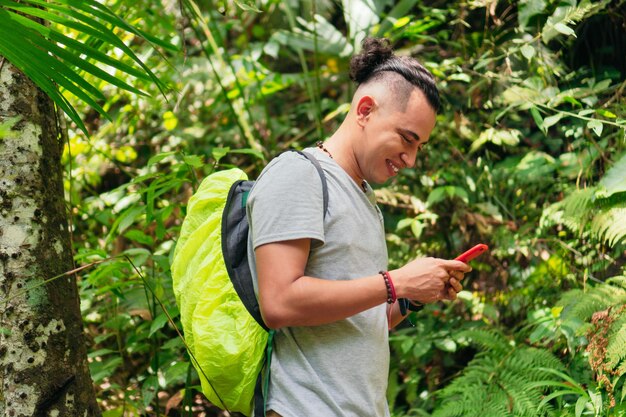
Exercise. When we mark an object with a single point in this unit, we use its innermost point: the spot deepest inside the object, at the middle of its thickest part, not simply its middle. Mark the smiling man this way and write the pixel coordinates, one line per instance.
(322, 277)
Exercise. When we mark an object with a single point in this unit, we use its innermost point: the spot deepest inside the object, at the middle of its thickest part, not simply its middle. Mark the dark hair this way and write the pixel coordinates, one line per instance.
(377, 58)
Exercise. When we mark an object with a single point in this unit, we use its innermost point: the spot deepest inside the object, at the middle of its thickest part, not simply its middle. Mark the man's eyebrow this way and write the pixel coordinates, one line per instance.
(407, 132)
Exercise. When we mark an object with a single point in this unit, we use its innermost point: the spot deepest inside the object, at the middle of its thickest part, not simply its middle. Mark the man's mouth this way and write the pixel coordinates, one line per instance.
(393, 167)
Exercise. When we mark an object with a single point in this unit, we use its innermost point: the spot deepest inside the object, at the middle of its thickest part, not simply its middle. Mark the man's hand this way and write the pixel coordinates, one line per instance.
(427, 280)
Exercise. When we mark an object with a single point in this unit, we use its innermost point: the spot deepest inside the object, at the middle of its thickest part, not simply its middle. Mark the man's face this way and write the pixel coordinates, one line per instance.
(393, 135)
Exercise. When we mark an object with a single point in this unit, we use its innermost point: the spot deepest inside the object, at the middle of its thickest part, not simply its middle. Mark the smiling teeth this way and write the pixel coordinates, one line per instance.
(395, 168)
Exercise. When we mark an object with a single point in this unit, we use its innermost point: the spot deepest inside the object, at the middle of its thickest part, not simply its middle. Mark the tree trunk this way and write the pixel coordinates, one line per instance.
(43, 361)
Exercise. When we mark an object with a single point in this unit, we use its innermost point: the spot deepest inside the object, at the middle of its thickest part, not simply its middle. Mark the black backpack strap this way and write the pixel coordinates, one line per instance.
(320, 171)
(262, 385)
(235, 249)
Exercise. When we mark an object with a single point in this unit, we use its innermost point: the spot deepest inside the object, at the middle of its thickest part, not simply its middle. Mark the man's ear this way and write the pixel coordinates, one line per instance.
(364, 107)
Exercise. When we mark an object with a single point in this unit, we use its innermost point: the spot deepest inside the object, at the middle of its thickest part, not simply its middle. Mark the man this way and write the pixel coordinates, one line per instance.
(322, 277)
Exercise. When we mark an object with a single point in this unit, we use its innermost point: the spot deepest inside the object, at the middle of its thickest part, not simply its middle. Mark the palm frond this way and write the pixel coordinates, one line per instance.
(36, 49)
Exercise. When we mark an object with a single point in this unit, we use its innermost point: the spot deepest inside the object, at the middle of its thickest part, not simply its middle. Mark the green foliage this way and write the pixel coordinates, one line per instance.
(501, 380)
(601, 208)
(527, 156)
(35, 49)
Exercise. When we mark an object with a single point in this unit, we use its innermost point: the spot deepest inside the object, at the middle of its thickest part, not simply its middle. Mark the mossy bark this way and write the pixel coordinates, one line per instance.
(43, 361)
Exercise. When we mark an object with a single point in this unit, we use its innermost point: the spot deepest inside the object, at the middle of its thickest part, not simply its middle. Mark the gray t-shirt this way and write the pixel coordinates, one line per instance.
(339, 369)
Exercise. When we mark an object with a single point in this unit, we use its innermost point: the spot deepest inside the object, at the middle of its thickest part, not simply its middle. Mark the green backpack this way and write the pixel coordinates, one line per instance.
(224, 331)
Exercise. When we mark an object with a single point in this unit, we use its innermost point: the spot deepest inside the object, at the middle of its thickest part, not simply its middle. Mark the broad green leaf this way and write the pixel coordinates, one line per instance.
(360, 16)
(177, 373)
(534, 167)
(417, 227)
(193, 160)
(158, 323)
(606, 113)
(403, 21)
(447, 345)
(528, 9)
(596, 400)
(247, 5)
(149, 389)
(449, 191)
(564, 29)
(404, 223)
(614, 180)
(219, 153)
(552, 120)
(159, 157)
(596, 126)
(400, 10)
(139, 237)
(538, 119)
(466, 78)
(581, 404)
(248, 151)
(500, 137)
(124, 221)
(527, 51)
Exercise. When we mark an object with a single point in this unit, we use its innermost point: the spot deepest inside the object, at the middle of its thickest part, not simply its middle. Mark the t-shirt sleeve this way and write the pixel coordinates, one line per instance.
(286, 202)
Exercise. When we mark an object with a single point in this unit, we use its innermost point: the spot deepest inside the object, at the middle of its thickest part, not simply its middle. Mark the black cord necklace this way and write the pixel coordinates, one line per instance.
(320, 145)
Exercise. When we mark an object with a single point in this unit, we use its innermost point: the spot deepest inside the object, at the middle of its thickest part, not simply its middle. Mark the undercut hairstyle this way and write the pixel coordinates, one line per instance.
(377, 62)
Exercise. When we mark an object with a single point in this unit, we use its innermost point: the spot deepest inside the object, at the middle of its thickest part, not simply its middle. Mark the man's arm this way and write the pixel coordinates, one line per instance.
(289, 298)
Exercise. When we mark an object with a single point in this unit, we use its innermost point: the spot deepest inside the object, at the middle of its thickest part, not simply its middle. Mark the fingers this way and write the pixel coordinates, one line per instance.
(453, 265)
(455, 285)
(450, 293)
(458, 275)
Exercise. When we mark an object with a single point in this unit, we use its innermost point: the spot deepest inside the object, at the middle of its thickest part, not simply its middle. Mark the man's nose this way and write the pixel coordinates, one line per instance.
(408, 159)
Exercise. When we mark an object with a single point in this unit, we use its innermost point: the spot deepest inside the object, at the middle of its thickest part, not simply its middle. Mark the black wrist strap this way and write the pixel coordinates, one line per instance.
(406, 304)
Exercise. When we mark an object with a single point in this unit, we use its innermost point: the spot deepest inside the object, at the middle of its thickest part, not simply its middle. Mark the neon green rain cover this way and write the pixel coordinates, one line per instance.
(227, 343)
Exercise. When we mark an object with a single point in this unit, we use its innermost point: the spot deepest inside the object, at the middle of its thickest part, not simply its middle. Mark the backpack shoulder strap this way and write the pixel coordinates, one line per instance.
(320, 171)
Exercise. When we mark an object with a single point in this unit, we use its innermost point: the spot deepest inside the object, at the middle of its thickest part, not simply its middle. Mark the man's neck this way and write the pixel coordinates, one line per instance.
(340, 147)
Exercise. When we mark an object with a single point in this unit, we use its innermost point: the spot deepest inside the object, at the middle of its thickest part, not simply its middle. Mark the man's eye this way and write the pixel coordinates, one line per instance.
(404, 138)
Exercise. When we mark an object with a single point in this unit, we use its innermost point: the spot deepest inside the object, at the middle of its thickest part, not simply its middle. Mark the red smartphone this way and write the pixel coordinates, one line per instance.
(472, 253)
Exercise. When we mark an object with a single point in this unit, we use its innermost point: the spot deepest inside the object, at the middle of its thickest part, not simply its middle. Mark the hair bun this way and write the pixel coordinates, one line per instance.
(375, 52)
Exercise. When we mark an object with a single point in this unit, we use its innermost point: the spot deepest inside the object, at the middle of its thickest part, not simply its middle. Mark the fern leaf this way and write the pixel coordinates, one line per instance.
(609, 225)
(502, 380)
(616, 348)
(618, 281)
(487, 339)
(564, 16)
(579, 306)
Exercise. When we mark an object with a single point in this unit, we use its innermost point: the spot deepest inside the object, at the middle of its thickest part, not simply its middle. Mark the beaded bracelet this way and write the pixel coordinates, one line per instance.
(391, 290)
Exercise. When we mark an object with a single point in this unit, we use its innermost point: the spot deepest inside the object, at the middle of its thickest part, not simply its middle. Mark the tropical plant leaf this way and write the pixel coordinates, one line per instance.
(566, 15)
(501, 380)
(361, 16)
(614, 181)
(609, 225)
(34, 48)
